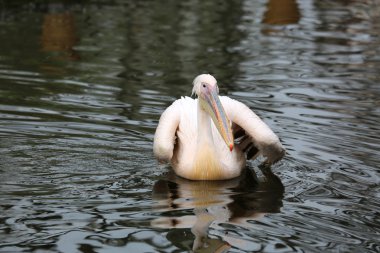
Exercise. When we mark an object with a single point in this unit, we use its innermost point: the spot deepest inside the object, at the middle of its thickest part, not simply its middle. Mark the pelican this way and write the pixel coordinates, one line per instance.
(197, 136)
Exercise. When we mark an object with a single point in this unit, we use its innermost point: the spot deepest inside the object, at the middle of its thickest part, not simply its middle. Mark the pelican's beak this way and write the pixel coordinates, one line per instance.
(210, 102)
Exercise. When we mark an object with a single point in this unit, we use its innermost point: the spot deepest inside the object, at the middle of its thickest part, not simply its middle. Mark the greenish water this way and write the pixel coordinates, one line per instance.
(82, 86)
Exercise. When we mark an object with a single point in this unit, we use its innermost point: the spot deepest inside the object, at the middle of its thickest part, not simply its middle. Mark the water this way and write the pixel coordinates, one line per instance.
(82, 86)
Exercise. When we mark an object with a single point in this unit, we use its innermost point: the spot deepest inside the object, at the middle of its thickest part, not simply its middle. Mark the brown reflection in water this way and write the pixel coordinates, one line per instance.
(59, 35)
(234, 202)
(281, 12)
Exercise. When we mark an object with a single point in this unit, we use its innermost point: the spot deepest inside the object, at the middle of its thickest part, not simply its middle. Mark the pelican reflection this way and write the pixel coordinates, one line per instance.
(204, 203)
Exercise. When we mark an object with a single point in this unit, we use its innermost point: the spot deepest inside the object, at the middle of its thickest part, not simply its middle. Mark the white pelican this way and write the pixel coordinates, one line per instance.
(197, 135)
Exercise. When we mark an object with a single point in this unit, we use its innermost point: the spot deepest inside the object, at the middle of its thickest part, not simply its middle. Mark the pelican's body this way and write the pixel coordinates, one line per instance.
(196, 135)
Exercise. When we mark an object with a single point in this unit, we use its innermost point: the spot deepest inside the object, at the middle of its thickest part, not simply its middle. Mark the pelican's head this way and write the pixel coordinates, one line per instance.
(207, 91)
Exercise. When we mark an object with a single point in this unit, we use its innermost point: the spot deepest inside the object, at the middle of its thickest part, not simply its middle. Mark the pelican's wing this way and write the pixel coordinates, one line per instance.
(178, 123)
(254, 136)
(164, 138)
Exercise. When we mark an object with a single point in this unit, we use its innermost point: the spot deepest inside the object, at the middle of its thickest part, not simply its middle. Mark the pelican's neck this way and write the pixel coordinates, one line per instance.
(206, 166)
(204, 127)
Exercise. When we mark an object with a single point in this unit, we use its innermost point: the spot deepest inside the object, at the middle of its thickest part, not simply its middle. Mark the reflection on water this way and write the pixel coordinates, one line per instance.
(236, 201)
(82, 86)
(280, 12)
(58, 33)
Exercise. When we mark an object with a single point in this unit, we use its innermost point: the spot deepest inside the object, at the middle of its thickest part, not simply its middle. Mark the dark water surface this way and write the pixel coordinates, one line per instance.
(82, 86)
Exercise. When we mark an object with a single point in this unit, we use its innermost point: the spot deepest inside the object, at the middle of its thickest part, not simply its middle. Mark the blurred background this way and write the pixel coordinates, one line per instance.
(82, 87)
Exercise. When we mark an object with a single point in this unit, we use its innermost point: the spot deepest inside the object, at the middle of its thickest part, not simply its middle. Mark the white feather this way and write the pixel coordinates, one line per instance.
(261, 135)
(178, 126)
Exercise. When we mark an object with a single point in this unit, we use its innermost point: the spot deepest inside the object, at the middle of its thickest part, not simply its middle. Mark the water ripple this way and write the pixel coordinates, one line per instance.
(79, 105)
